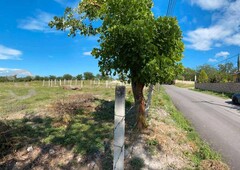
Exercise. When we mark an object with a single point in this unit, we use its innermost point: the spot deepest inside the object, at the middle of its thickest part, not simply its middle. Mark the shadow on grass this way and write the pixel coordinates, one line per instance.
(87, 134)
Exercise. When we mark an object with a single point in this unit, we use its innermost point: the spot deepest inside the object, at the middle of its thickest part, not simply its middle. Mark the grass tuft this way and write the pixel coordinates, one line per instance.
(137, 163)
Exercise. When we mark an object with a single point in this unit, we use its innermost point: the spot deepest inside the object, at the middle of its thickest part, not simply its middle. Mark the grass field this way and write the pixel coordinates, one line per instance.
(37, 116)
(50, 127)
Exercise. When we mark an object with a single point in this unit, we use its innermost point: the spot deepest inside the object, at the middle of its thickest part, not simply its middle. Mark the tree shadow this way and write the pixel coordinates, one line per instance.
(229, 105)
(87, 136)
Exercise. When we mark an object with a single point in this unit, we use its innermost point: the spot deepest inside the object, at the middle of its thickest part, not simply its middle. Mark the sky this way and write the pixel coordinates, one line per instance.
(211, 33)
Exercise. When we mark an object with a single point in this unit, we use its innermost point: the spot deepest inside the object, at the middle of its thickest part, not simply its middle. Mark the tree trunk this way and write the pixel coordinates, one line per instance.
(137, 89)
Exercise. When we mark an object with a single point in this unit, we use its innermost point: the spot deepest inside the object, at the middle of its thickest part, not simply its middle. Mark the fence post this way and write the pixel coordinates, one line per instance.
(149, 99)
(81, 83)
(119, 128)
(60, 82)
(106, 84)
(43, 83)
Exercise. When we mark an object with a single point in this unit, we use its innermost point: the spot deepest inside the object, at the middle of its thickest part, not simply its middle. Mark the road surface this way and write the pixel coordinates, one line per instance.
(216, 120)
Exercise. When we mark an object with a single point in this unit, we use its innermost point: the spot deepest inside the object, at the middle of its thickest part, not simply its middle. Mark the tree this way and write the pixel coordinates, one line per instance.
(189, 74)
(88, 76)
(52, 77)
(203, 78)
(67, 76)
(210, 71)
(79, 77)
(225, 71)
(98, 76)
(132, 42)
(102, 77)
(38, 78)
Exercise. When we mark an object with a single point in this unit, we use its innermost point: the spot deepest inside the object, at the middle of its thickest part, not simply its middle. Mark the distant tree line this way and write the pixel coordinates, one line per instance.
(84, 76)
(208, 73)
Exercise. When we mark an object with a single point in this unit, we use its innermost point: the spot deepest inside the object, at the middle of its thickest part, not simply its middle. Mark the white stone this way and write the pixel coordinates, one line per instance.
(30, 149)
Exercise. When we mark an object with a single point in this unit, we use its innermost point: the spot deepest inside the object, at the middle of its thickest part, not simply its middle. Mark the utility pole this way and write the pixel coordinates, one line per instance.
(238, 63)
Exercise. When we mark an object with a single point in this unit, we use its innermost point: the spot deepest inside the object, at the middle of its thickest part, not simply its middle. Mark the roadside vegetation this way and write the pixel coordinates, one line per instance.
(201, 154)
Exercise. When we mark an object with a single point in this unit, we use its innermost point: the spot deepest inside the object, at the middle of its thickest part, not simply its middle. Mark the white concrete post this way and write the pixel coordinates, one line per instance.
(119, 128)
(43, 83)
(51, 83)
(64, 81)
(106, 84)
(76, 82)
(60, 82)
(81, 83)
(149, 99)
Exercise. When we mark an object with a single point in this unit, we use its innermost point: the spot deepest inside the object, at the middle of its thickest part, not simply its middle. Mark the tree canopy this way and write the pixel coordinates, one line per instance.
(67, 76)
(203, 77)
(88, 76)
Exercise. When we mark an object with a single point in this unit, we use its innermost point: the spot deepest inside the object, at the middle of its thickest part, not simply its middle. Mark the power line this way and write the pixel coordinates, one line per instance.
(171, 5)
(236, 55)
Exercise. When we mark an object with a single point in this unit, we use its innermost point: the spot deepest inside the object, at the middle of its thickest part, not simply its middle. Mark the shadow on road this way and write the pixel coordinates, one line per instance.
(229, 104)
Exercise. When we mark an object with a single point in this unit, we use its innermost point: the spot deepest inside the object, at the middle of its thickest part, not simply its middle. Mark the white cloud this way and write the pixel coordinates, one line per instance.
(222, 54)
(224, 30)
(233, 40)
(203, 38)
(7, 53)
(212, 60)
(183, 20)
(37, 23)
(88, 53)
(15, 71)
(210, 4)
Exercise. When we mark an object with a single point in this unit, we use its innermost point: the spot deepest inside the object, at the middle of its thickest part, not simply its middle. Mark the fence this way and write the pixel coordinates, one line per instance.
(83, 83)
(219, 87)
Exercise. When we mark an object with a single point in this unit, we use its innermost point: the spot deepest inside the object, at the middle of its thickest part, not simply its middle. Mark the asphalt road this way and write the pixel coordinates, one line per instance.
(216, 120)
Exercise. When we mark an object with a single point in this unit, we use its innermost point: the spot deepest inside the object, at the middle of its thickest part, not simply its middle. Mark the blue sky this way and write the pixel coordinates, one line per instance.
(211, 33)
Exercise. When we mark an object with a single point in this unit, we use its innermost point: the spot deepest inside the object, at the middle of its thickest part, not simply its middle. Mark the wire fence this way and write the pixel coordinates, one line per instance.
(83, 83)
